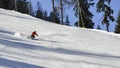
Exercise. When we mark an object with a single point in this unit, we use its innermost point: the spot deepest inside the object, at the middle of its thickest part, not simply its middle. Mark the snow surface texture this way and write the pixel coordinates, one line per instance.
(58, 46)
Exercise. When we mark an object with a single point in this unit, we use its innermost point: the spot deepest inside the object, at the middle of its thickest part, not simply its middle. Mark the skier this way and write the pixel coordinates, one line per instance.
(34, 33)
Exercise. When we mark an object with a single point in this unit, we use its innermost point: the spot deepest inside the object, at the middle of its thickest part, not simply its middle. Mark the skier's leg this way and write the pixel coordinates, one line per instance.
(32, 37)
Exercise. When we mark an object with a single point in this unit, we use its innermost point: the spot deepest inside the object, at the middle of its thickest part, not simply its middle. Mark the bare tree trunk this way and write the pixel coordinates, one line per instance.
(15, 5)
(53, 11)
(30, 7)
(61, 5)
(80, 15)
(107, 26)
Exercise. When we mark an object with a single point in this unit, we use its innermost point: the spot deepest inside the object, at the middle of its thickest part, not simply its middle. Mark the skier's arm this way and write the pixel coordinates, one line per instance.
(37, 34)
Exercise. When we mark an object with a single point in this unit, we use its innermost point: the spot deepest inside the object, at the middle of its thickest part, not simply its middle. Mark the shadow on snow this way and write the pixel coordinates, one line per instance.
(18, 44)
(16, 64)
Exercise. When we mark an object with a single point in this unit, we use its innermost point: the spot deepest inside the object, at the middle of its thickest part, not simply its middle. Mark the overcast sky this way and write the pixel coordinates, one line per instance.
(46, 5)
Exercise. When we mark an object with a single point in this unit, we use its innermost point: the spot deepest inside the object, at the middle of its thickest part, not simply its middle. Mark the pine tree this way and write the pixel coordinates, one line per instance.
(7, 4)
(22, 6)
(57, 17)
(98, 27)
(45, 16)
(67, 22)
(39, 13)
(50, 17)
(117, 28)
(104, 6)
(81, 8)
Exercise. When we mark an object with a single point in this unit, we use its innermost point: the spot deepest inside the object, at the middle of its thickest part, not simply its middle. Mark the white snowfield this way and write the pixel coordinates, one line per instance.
(58, 46)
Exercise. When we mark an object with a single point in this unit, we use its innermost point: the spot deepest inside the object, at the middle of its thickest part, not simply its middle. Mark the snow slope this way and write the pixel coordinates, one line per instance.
(58, 46)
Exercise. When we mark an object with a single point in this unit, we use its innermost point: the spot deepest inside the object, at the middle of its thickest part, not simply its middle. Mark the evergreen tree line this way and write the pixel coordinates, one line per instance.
(41, 14)
(81, 9)
(25, 7)
(117, 28)
(19, 5)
